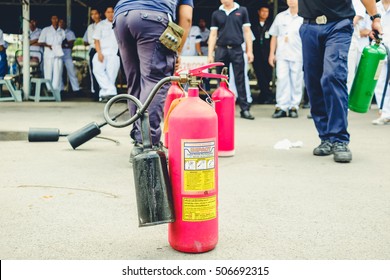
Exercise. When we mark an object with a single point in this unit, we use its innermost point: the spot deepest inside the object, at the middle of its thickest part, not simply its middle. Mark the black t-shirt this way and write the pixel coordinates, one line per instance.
(230, 26)
(332, 9)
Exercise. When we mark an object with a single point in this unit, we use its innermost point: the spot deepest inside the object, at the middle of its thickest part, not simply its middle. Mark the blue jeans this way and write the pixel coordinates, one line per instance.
(325, 53)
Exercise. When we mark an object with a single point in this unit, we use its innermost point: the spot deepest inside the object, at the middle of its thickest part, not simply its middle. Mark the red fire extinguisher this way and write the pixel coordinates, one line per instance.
(225, 108)
(193, 167)
(175, 91)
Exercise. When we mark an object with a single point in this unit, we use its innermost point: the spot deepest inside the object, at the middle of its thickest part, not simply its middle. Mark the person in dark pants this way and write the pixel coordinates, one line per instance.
(3, 56)
(261, 48)
(138, 27)
(229, 26)
(89, 41)
(326, 36)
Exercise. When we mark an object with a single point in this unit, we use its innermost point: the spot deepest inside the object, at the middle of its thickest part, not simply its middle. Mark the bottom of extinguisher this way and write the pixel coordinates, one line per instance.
(226, 153)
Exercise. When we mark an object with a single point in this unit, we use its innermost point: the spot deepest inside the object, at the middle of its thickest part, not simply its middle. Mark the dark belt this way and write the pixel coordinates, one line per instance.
(229, 46)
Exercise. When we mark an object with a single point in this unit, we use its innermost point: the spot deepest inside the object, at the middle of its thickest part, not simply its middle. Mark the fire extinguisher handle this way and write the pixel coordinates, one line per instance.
(198, 72)
(378, 37)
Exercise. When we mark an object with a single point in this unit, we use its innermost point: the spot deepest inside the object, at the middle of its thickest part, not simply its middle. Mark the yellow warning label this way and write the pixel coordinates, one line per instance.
(199, 209)
(199, 166)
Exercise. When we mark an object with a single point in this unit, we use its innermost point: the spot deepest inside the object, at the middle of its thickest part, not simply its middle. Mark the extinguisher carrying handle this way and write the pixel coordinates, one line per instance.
(198, 72)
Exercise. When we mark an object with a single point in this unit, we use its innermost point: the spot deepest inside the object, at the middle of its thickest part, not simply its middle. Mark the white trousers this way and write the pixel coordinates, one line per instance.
(74, 82)
(52, 69)
(232, 82)
(354, 54)
(106, 73)
(379, 92)
(289, 86)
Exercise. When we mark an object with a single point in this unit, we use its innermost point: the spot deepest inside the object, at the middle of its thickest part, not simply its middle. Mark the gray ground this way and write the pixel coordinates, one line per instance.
(57, 203)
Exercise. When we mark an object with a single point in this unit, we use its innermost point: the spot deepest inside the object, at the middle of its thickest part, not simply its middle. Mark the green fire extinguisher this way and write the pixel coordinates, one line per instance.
(366, 78)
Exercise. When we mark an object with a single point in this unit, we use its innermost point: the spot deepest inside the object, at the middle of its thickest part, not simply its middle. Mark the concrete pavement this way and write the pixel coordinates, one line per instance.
(57, 203)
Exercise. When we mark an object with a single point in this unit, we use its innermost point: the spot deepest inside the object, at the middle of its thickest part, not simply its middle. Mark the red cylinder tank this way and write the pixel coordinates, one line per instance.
(193, 167)
(225, 108)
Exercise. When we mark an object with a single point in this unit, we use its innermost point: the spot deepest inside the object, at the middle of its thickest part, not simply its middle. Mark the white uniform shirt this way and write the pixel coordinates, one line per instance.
(106, 36)
(88, 35)
(69, 36)
(52, 37)
(34, 35)
(194, 37)
(385, 21)
(286, 28)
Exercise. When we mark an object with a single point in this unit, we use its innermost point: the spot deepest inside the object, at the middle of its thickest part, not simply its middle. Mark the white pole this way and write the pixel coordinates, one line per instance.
(69, 13)
(26, 48)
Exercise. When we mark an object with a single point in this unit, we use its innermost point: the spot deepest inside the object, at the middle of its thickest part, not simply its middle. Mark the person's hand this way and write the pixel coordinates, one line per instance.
(250, 57)
(210, 59)
(376, 27)
(272, 60)
(100, 57)
(49, 46)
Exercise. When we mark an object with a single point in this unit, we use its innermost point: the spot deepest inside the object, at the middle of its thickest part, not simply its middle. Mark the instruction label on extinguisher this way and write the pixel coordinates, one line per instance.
(199, 166)
(199, 209)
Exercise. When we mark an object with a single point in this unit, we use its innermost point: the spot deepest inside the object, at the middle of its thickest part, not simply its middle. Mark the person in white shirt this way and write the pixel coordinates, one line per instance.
(67, 46)
(204, 33)
(287, 44)
(36, 51)
(3, 56)
(106, 60)
(51, 39)
(355, 50)
(383, 7)
(191, 46)
(89, 41)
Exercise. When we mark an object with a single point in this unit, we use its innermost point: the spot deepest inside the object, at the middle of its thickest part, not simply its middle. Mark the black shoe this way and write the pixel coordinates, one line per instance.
(309, 116)
(306, 106)
(341, 152)
(293, 113)
(247, 115)
(324, 149)
(279, 113)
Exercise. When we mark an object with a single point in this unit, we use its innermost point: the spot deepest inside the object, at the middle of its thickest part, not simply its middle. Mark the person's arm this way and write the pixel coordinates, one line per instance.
(42, 40)
(212, 42)
(34, 42)
(185, 21)
(272, 50)
(198, 49)
(99, 50)
(372, 10)
(68, 44)
(248, 43)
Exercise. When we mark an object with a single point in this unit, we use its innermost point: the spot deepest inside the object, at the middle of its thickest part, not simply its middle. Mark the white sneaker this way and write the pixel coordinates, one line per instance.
(381, 121)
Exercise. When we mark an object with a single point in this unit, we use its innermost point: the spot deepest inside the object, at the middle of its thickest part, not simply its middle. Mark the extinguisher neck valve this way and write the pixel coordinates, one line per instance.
(193, 92)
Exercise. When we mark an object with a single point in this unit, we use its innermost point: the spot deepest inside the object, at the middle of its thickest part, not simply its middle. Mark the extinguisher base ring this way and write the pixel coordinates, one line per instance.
(226, 153)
